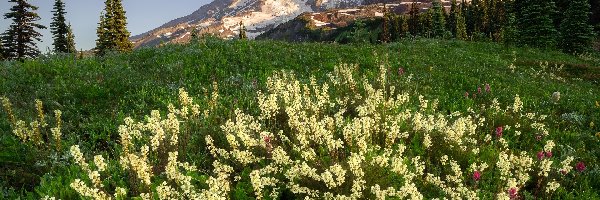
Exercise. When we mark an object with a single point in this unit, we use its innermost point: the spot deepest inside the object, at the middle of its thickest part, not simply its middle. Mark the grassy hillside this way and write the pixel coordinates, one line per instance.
(95, 95)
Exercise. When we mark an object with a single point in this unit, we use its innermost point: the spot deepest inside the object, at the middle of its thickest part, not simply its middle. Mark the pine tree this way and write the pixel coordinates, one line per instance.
(404, 29)
(102, 40)
(396, 29)
(451, 25)
(19, 39)
(112, 29)
(59, 27)
(414, 19)
(120, 27)
(576, 33)
(461, 27)
(385, 33)
(535, 24)
(242, 34)
(70, 40)
(438, 23)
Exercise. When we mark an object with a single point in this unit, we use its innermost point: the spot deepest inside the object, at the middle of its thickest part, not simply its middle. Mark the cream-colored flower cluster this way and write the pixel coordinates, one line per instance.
(322, 142)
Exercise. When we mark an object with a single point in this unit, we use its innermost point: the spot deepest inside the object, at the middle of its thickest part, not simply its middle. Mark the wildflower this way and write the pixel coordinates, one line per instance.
(466, 94)
(549, 154)
(538, 137)
(479, 90)
(513, 193)
(555, 97)
(540, 155)
(499, 131)
(400, 71)
(488, 88)
(476, 175)
(580, 166)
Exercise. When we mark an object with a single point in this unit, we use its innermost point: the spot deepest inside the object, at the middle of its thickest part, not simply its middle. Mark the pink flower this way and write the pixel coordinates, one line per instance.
(488, 88)
(400, 71)
(563, 172)
(476, 175)
(499, 131)
(479, 90)
(549, 154)
(466, 94)
(538, 137)
(512, 192)
(540, 155)
(580, 166)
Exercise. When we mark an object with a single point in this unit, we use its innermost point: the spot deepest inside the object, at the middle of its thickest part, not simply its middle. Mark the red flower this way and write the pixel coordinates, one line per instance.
(466, 94)
(478, 89)
(400, 71)
(580, 166)
(549, 154)
(499, 131)
(540, 155)
(538, 137)
(512, 192)
(476, 175)
(487, 88)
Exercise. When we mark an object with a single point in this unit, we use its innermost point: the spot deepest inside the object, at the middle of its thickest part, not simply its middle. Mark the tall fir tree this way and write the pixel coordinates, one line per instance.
(534, 23)
(70, 40)
(576, 32)
(451, 23)
(59, 27)
(112, 29)
(120, 27)
(19, 39)
(461, 27)
(396, 27)
(385, 33)
(438, 22)
(414, 19)
(404, 28)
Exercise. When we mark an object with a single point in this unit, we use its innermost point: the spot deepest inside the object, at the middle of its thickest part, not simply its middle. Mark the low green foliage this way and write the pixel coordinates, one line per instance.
(96, 94)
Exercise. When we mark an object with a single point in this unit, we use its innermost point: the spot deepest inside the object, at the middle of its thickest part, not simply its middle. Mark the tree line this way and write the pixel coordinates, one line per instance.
(19, 40)
(537, 23)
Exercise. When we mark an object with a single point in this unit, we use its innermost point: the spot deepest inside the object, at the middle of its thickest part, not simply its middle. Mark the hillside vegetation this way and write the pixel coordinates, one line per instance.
(347, 120)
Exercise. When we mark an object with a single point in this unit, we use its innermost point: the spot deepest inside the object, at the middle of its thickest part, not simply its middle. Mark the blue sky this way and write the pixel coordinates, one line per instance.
(142, 16)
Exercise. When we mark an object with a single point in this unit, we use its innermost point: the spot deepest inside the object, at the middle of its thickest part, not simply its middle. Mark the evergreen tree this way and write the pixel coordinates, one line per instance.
(461, 27)
(396, 27)
(19, 39)
(102, 40)
(425, 23)
(414, 19)
(404, 28)
(59, 28)
(112, 29)
(576, 33)
(535, 24)
(242, 34)
(70, 40)
(438, 22)
(451, 25)
(385, 33)
(120, 27)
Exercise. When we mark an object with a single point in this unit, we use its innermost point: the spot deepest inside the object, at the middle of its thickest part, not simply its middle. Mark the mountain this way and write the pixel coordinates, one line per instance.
(222, 18)
(335, 24)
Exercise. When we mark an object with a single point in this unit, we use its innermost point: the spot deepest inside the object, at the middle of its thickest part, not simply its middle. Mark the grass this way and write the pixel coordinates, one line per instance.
(96, 94)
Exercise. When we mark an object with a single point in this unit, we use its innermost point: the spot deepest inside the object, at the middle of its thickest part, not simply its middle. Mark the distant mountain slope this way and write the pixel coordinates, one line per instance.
(221, 17)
